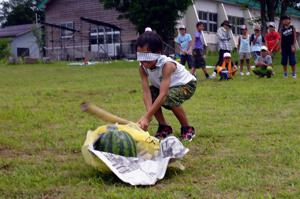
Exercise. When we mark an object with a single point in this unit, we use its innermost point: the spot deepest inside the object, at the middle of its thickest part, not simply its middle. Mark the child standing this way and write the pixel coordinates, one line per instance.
(272, 39)
(199, 50)
(184, 41)
(288, 46)
(244, 50)
(227, 69)
(263, 64)
(224, 44)
(171, 85)
(256, 41)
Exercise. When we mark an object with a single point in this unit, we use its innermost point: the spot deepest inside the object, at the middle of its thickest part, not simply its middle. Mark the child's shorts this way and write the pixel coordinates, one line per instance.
(288, 57)
(199, 61)
(186, 58)
(243, 56)
(176, 95)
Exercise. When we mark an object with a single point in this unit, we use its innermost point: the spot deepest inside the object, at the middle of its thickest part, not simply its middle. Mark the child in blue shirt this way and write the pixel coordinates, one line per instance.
(244, 50)
(184, 41)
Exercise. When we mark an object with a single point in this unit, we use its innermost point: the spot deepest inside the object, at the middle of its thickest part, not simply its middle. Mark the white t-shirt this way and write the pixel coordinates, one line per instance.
(179, 77)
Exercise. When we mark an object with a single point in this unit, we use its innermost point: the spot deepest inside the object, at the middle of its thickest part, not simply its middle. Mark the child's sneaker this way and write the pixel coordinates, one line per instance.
(294, 75)
(187, 133)
(241, 74)
(285, 75)
(163, 131)
(248, 73)
(213, 75)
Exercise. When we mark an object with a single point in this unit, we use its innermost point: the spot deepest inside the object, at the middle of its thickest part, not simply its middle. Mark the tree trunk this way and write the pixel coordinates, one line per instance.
(271, 10)
(284, 7)
(263, 6)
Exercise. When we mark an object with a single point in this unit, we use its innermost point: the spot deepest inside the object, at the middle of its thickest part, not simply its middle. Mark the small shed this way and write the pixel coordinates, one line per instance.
(23, 40)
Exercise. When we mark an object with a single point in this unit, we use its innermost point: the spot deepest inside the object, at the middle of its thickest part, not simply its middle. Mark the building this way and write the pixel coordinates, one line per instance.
(77, 29)
(238, 12)
(23, 40)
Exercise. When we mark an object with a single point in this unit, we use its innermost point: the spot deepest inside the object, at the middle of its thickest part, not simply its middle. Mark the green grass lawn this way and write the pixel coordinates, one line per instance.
(247, 143)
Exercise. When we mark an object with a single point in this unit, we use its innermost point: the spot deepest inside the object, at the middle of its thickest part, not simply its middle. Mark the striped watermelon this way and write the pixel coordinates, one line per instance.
(116, 142)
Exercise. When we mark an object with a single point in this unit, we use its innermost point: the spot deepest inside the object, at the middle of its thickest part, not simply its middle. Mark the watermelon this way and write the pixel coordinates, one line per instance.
(116, 142)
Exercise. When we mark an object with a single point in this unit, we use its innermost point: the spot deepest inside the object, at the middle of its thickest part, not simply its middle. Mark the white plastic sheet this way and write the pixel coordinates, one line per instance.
(141, 171)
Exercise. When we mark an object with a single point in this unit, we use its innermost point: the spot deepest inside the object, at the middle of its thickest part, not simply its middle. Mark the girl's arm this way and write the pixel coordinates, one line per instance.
(168, 69)
(239, 43)
(146, 90)
(189, 45)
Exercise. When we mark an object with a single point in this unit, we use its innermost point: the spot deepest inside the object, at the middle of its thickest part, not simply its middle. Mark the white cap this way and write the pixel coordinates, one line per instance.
(226, 55)
(148, 29)
(243, 27)
(264, 48)
(271, 23)
(181, 26)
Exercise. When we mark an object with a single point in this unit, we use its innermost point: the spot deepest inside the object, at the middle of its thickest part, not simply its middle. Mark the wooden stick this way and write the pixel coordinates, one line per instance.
(102, 114)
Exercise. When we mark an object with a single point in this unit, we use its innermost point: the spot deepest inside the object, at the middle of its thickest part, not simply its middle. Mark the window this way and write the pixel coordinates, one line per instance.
(116, 38)
(23, 52)
(210, 20)
(67, 33)
(236, 24)
(104, 35)
(93, 39)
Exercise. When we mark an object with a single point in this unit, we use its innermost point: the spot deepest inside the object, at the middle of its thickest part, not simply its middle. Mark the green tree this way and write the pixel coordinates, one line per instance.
(18, 12)
(4, 48)
(160, 15)
(268, 9)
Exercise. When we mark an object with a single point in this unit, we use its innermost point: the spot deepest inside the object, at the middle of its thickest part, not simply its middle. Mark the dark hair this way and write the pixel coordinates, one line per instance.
(199, 23)
(150, 39)
(285, 17)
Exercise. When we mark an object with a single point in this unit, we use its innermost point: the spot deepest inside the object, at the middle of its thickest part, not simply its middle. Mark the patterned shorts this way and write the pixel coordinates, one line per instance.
(176, 95)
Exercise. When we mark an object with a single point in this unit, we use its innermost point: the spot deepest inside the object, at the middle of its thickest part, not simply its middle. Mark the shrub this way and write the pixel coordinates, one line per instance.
(5, 48)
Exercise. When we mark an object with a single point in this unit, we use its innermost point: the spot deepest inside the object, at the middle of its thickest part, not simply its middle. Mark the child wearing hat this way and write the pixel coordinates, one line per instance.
(223, 35)
(244, 50)
(256, 41)
(165, 83)
(227, 68)
(184, 41)
(272, 39)
(288, 46)
(263, 64)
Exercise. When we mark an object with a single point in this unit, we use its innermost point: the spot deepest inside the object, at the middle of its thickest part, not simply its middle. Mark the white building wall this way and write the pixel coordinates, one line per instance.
(208, 6)
(27, 40)
(234, 10)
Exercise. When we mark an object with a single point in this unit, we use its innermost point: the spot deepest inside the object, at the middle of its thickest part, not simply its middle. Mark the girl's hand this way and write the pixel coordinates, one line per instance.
(144, 123)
